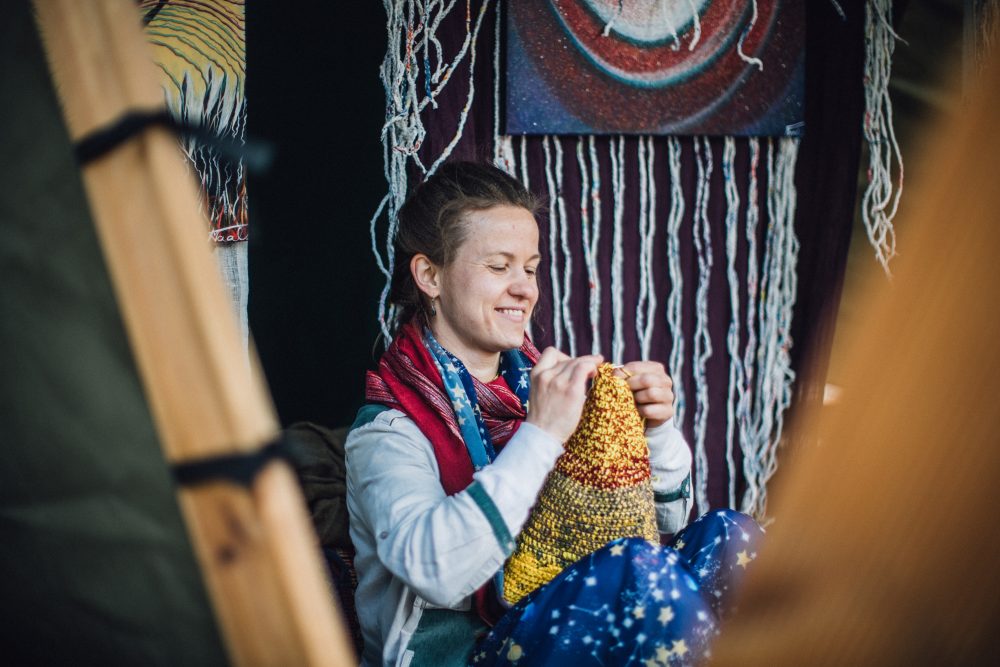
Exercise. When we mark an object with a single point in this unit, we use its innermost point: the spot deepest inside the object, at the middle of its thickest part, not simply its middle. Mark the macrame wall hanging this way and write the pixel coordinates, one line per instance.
(200, 51)
(681, 249)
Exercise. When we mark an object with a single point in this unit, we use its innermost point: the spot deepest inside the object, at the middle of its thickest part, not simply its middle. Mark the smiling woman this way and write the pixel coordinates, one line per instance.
(487, 293)
(446, 461)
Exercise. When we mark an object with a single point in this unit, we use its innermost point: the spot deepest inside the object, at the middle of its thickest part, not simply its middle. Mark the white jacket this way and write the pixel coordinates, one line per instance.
(419, 548)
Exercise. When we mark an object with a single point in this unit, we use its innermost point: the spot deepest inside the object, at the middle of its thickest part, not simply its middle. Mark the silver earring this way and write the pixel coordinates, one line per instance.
(433, 309)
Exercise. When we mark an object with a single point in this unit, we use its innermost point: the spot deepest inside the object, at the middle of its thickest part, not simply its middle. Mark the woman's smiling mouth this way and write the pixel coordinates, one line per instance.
(514, 314)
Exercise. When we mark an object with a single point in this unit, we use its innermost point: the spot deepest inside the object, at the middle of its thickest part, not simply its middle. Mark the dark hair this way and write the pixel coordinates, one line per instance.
(430, 221)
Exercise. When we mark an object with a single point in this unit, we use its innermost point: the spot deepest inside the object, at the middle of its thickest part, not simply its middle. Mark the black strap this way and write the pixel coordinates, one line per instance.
(109, 137)
(241, 468)
(255, 155)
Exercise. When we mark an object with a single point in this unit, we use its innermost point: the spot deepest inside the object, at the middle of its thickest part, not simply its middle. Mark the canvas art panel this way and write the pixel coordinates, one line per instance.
(690, 67)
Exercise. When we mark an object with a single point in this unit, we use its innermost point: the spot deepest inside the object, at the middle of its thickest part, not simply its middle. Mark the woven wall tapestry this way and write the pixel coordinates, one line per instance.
(653, 67)
(200, 51)
(690, 250)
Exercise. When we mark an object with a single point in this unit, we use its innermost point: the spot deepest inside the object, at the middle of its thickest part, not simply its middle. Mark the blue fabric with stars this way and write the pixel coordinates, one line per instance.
(631, 603)
(461, 390)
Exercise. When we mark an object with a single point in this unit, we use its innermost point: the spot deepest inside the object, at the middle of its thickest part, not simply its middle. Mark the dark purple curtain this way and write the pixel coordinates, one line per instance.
(826, 182)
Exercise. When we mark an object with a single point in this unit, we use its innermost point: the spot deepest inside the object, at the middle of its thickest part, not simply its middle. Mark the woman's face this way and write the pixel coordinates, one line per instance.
(488, 292)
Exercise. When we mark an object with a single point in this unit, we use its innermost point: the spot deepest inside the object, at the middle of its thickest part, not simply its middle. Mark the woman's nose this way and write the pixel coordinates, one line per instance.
(524, 286)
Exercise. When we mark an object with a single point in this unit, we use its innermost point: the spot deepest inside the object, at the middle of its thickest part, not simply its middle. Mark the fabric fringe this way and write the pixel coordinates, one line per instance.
(702, 337)
(675, 300)
(880, 200)
(733, 335)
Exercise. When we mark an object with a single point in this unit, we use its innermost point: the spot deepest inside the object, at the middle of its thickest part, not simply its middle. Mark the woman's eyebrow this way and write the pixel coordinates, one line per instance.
(511, 256)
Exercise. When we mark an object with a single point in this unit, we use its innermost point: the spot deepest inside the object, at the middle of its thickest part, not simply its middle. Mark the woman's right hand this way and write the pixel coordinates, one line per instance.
(558, 391)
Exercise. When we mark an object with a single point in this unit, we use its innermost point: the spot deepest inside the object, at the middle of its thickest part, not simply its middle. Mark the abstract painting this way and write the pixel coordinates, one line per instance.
(704, 67)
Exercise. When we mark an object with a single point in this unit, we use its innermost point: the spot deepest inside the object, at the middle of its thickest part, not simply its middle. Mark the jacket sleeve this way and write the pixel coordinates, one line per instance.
(443, 547)
(670, 463)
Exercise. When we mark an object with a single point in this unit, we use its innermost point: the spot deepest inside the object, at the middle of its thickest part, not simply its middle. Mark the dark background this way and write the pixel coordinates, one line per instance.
(314, 94)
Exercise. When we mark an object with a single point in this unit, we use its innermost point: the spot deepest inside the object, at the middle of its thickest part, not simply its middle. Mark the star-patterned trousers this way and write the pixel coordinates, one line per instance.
(631, 602)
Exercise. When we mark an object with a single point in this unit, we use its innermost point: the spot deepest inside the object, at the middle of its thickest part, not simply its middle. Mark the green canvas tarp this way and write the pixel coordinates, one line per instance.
(95, 563)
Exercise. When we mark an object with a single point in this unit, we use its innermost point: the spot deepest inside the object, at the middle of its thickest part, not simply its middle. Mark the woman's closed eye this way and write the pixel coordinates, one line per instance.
(529, 271)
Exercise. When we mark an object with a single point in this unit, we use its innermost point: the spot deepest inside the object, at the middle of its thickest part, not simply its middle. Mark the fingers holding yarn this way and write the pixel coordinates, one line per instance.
(652, 389)
(550, 357)
(558, 391)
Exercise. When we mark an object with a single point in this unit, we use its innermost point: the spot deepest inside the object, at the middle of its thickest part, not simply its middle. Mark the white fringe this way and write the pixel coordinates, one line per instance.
(675, 299)
(554, 217)
(733, 335)
(880, 200)
(702, 336)
(617, 145)
(590, 233)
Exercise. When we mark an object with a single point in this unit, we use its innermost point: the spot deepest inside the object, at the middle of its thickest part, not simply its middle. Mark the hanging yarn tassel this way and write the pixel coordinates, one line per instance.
(553, 234)
(702, 336)
(617, 145)
(696, 17)
(590, 233)
(756, 62)
(778, 291)
(643, 297)
(645, 310)
(503, 146)
(880, 200)
(523, 162)
(733, 334)
(567, 269)
(745, 410)
(648, 257)
(675, 299)
(782, 374)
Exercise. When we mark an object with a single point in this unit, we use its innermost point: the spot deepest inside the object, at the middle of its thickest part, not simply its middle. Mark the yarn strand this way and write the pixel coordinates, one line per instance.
(702, 336)
(733, 335)
(617, 146)
(567, 268)
(553, 234)
(880, 200)
(675, 319)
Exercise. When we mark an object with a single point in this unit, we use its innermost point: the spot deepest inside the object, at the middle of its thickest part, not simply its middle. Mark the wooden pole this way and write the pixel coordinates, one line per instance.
(258, 553)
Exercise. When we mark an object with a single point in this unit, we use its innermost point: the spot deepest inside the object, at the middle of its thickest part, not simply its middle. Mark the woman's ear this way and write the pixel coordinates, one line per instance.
(426, 275)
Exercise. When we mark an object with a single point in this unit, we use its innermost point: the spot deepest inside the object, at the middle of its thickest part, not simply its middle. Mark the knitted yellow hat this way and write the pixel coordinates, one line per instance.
(599, 491)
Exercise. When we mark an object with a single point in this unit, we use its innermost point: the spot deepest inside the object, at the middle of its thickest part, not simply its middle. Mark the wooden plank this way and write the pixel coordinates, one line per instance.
(258, 553)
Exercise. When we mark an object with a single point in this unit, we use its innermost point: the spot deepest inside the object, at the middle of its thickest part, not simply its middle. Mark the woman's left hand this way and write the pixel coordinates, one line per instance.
(653, 390)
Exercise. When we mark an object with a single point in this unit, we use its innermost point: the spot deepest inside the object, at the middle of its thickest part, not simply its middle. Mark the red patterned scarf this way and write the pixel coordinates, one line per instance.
(408, 380)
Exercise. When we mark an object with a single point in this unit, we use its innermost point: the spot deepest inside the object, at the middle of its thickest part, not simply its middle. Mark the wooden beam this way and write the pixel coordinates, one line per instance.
(258, 553)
